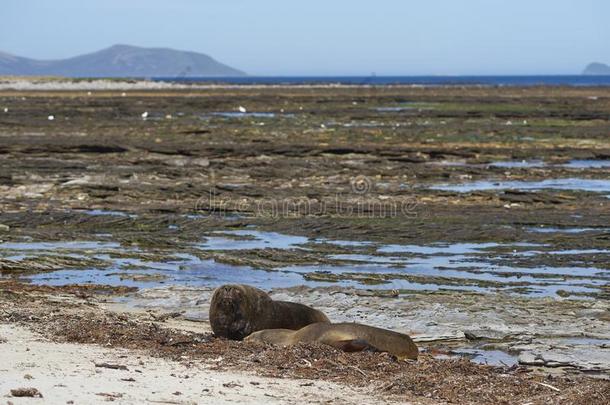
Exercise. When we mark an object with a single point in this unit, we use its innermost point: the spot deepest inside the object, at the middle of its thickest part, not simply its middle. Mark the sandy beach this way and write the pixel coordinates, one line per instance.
(75, 373)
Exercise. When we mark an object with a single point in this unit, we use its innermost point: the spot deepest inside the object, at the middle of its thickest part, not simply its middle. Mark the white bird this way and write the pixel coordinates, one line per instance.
(123, 94)
(242, 110)
(5, 109)
(145, 115)
(51, 117)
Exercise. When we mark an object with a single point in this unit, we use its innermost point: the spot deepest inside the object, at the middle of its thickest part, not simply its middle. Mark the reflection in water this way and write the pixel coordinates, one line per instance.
(458, 266)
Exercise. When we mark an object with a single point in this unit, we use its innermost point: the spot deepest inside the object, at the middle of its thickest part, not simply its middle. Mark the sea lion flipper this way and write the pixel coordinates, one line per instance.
(355, 345)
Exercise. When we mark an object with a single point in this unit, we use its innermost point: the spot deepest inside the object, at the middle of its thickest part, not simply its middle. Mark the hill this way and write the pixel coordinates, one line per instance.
(597, 69)
(121, 61)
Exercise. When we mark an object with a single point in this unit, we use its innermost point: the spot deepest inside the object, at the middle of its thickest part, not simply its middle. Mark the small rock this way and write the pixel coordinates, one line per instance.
(4, 228)
(202, 162)
(51, 117)
(26, 392)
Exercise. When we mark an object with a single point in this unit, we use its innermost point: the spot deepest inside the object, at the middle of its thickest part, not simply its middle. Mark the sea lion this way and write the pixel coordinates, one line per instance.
(238, 310)
(349, 337)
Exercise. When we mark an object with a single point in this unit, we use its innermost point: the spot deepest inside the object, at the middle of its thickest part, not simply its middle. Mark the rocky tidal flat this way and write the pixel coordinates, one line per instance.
(475, 219)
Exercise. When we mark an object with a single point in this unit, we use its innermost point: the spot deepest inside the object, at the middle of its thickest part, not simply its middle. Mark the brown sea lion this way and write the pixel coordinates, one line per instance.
(349, 337)
(238, 310)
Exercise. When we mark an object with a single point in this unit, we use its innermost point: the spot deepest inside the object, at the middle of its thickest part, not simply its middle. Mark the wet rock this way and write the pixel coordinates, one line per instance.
(480, 334)
(85, 180)
(26, 191)
(186, 161)
(589, 358)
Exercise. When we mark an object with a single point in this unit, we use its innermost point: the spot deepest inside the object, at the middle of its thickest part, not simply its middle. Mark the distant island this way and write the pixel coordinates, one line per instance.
(598, 69)
(121, 61)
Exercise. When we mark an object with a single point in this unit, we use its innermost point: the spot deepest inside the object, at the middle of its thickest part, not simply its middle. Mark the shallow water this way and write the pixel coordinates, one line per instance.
(456, 248)
(108, 213)
(532, 164)
(255, 240)
(190, 272)
(598, 186)
(565, 230)
(512, 164)
(585, 341)
(393, 109)
(587, 164)
(497, 358)
(441, 266)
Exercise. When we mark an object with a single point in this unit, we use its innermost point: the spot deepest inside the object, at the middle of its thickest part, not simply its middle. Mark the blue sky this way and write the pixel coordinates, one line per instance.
(330, 37)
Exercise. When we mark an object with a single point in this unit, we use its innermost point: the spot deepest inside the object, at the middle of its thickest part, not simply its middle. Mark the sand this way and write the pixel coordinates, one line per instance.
(67, 372)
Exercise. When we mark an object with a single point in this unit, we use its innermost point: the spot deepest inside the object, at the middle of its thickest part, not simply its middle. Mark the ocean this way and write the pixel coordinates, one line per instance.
(575, 80)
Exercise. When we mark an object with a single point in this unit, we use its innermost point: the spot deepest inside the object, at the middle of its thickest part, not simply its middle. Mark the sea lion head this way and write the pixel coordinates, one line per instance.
(279, 337)
(234, 309)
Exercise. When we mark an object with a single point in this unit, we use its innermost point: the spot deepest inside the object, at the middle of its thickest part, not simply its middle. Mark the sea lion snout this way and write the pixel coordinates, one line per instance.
(280, 337)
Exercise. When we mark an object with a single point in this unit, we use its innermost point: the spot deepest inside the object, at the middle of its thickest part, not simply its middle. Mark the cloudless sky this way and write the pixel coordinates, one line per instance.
(326, 37)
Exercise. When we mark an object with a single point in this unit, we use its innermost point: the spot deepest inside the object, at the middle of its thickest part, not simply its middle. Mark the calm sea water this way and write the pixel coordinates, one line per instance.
(576, 80)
